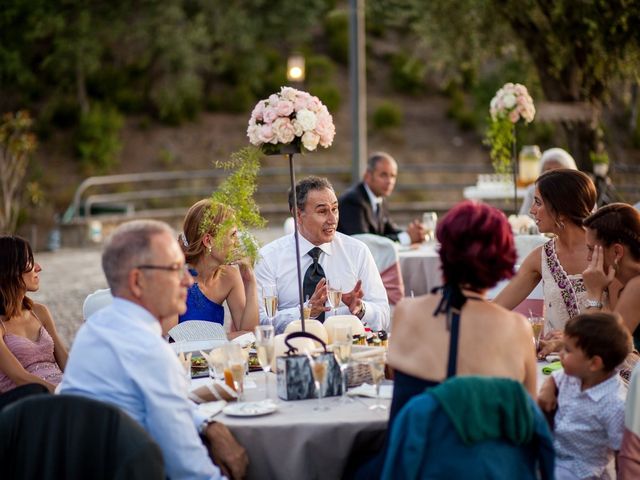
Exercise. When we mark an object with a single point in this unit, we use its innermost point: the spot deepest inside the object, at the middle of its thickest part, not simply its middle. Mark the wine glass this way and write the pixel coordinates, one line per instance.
(319, 371)
(334, 295)
(429, 220)
(265, 347)
(537, 325)
(270, 301)
(236, 366)
(376, 367)
(342, 341)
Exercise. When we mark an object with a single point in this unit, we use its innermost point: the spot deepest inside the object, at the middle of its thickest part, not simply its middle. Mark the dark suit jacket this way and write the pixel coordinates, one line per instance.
(356, 215)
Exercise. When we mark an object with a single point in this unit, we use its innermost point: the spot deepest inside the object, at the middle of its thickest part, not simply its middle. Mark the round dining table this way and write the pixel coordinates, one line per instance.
(297, 441)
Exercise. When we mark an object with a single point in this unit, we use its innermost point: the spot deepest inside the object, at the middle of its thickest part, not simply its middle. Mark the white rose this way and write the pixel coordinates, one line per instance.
(509, 100)
(297, 128)
(306, 119)
(310, 140)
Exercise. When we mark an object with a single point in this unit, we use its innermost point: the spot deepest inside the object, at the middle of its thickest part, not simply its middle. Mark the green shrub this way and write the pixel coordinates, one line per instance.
(177, 99)
(387, 115)
(329, 95)
(336, 25)
(97, 139)
(408, 74)
(59, 112)
(238, 99)
(319, 69)
(458, 110)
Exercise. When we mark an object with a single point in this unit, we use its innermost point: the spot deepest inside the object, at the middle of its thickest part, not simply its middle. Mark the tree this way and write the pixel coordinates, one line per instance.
(580, 49)
(16, 144)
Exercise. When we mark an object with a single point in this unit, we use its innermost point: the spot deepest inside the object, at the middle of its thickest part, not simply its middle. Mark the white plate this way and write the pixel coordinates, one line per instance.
(250, 409)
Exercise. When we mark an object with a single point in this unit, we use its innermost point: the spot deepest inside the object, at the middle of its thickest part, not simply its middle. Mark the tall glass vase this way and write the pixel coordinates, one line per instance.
(514, 168)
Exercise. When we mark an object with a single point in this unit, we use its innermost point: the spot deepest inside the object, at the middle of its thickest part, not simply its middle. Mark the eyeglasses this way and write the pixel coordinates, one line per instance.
(182, 270)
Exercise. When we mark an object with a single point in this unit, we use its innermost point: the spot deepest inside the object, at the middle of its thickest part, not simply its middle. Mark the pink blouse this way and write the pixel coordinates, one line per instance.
(36, 357)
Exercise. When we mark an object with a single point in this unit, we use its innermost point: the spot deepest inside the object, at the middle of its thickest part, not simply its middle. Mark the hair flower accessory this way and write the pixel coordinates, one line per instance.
(183, 240)
(510, 104)
(291, 117)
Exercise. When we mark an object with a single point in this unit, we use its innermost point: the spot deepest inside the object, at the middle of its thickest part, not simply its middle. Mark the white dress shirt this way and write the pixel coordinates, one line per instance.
(376, 203)
(120, 357)
(344, 258)
(588, 426)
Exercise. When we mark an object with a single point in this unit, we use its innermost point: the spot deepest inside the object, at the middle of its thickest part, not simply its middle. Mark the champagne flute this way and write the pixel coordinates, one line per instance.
(270, 301)
(334, 295)
(236, 367)
(342, 341)
(376, 367)
(537, 325)
(319, 372)
(429, 220)
(265, 346)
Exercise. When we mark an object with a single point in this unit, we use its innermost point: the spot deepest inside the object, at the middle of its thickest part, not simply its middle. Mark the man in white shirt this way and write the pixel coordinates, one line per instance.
(363, 209)
(334, 256)
(120, 357)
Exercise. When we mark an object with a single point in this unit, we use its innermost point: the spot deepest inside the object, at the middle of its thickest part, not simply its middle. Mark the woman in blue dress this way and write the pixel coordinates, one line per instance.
(218, 275)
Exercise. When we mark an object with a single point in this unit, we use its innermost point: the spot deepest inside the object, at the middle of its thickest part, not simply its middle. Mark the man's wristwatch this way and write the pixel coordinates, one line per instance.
(590, 303)
(363, 309)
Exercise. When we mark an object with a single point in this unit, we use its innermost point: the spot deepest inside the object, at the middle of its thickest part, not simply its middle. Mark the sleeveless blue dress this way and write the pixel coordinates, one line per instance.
(199, 307)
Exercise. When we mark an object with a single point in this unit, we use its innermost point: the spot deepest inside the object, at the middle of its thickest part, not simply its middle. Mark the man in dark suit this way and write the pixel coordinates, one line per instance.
(363, 209)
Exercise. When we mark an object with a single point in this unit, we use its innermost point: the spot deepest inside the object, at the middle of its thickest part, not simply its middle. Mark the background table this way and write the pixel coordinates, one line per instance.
(298, 442)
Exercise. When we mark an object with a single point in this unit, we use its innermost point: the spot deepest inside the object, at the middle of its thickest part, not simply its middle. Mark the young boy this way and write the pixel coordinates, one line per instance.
(589, 395)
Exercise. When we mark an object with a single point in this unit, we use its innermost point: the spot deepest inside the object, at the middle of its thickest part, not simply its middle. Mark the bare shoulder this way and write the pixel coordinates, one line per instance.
(532, 261)
(411, 311)
(43, 313)
(631, 291)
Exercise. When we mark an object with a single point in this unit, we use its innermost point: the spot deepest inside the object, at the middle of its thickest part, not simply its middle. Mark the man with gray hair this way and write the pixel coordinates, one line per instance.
(120, 357)
(327, 257)
(363, 208)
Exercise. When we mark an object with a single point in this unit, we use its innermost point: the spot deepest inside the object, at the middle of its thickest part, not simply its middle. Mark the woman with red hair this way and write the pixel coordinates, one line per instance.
(455, 330)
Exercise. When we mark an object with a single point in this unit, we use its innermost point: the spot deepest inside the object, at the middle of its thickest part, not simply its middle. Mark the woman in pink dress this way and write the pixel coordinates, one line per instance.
(30, 349)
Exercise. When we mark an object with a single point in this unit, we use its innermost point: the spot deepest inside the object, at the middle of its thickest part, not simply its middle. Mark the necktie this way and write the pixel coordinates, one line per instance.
(380, 217)
(312, 276)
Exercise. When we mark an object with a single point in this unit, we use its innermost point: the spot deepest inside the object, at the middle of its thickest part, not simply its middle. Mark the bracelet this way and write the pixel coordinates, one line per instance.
(590, 303)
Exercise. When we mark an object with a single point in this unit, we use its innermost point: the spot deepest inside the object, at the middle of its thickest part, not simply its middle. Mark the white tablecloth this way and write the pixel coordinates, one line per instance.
(298, 442)
(420, 269)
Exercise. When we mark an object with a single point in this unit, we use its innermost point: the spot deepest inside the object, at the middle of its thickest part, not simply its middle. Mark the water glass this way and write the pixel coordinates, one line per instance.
(265, 335)
(236, 366)
(376, 367)
(342, 342)
(429, 221)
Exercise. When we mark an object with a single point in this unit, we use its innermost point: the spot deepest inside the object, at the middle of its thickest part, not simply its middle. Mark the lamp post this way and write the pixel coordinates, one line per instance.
(358, 83)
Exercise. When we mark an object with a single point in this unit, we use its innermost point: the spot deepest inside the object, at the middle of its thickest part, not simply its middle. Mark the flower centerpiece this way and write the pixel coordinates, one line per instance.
(290, 117)
(510, 104)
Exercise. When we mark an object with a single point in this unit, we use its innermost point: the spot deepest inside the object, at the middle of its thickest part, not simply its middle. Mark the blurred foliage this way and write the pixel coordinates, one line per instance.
(579, 51)
(387, 115)
(97, 139)
(336, 25)
(408, 74)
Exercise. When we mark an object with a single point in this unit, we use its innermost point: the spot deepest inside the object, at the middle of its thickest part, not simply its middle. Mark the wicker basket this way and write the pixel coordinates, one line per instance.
(358, 373)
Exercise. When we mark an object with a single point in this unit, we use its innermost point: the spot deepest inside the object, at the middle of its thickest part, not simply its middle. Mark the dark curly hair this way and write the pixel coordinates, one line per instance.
(16, 259)
(476, 246)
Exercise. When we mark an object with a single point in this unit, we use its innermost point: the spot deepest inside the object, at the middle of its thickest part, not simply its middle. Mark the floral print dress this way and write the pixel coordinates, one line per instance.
(564, 295)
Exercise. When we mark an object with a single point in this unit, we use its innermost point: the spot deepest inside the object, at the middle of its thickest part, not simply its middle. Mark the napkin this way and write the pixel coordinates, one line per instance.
(552, 367)
(185, 361)
(211, 409)
(367, 390)
(213, 391)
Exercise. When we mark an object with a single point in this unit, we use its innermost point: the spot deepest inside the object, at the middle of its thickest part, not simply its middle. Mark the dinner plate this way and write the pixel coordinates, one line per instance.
(250, 409)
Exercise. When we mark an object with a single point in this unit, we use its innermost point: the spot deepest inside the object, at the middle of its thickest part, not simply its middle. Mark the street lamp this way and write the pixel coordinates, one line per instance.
(295, 68)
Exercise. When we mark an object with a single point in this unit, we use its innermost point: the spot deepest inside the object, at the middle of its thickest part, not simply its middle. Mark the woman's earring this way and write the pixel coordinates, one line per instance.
(615, 265)
(209, 249)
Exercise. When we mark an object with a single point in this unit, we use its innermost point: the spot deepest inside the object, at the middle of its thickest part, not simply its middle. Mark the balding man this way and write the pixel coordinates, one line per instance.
(363, 209)
(120, 357)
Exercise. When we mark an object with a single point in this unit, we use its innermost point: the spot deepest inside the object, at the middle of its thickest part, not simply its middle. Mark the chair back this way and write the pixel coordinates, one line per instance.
(196, 335)
(385, 254)
(49, 437)
(488, 426)
(96, 301)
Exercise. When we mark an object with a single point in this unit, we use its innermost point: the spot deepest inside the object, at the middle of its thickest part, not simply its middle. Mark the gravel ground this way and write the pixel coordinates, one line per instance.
(69, 275)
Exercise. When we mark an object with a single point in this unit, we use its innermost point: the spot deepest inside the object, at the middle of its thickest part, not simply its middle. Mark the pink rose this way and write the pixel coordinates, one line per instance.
(284, 130)
(269, 114)
(252, 133)
(284, 108)
(258, 111)
(514, 116)
(288, 93)
(265, 134)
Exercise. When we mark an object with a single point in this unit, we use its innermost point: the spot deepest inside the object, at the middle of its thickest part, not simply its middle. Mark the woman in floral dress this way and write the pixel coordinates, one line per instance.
(563, 199)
